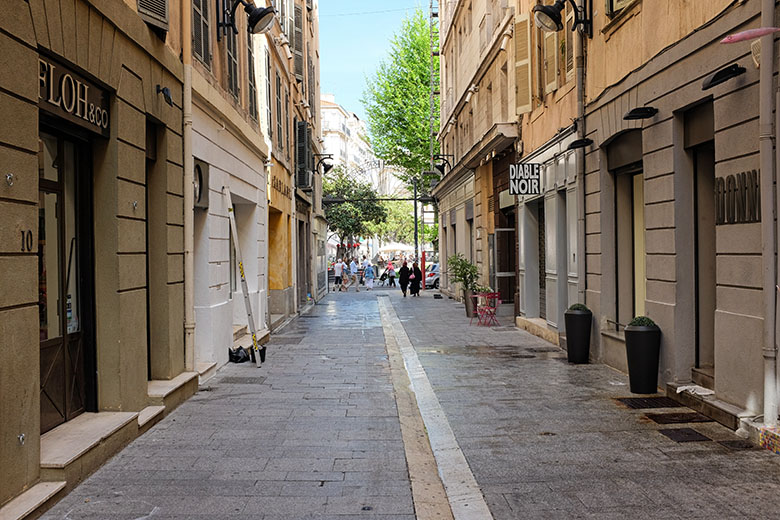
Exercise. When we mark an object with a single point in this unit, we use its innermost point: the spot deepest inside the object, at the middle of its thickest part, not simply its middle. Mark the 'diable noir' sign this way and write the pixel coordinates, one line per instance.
(525, 179)
(68, 95)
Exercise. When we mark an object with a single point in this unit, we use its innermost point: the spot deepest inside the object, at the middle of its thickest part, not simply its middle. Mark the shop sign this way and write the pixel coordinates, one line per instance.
(283, 189)
(525, 179)
(66, 94)
(738, 198)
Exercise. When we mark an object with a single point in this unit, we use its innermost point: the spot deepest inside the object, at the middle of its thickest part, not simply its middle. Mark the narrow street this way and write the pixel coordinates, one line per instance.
(329, 428)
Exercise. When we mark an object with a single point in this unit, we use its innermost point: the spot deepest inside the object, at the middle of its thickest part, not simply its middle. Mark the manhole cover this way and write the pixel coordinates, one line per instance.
(684, 435)
(738, 444)
(280, 340)
(234, 380)
(437, 297)
(678, 418)
(639, 403)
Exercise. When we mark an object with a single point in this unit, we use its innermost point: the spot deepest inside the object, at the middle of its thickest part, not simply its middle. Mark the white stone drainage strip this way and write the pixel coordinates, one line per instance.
(463, 492)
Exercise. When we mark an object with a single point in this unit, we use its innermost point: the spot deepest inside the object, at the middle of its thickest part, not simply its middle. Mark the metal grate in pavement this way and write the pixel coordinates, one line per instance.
(678, 418)
(539, 350)
(235, 380)
(639, 403)
(738, 444)
(684, 435)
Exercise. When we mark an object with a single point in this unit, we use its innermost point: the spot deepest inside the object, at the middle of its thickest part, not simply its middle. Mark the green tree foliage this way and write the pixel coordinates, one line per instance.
(398, 226)
(353, 218)
(397, 101)
(431, 234)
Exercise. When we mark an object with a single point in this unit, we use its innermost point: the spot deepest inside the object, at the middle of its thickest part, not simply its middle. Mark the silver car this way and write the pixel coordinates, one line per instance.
(432, 276)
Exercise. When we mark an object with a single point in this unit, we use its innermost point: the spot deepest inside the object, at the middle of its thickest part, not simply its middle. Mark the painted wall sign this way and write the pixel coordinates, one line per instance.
(738, 198)
(66, 94)
(525, 179)
(281, 187)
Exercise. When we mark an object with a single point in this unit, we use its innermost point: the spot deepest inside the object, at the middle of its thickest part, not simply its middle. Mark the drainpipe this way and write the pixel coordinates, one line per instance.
(767, 213)
(189, 195)
(579, 63)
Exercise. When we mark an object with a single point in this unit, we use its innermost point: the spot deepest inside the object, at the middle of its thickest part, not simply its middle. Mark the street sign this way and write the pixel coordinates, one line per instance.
(525, 179)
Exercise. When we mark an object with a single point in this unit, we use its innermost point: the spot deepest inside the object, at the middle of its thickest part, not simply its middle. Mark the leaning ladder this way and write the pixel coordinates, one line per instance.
(260, 358)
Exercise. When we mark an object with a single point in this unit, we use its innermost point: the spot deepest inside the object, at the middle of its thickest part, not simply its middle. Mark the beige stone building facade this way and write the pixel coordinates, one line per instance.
(479, 133)
(667, 235)
(92, 344)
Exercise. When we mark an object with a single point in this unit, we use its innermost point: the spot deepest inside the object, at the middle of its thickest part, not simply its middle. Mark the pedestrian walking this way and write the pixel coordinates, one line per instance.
(338, 270)
(403, 277)
(353, 272)
(391, 273)
(369, 276)
(415, 277)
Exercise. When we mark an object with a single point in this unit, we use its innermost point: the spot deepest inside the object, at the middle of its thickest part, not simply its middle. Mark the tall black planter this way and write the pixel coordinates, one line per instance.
(578, 335)
(643, 346)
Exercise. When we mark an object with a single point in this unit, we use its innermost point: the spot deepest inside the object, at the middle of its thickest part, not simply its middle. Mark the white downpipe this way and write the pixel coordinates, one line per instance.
(189, 195)
(768, 238)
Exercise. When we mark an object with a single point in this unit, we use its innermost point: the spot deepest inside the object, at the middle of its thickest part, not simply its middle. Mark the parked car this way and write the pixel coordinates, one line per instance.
(432, 276)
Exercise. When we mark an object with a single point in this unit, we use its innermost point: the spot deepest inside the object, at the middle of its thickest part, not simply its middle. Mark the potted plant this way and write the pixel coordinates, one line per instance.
(643, 347)
(466, 274)
(578, 319)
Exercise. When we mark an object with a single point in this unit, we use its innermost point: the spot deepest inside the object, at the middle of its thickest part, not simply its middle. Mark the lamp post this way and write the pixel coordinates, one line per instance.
(416, 234)
(261, 19)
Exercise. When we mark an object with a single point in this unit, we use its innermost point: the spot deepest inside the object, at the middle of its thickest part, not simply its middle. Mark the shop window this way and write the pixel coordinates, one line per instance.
(630, 245)
(201, 48)
(154, 12)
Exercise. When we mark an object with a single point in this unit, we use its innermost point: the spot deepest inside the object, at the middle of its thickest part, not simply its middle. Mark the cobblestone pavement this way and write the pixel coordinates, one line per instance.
(315, 433)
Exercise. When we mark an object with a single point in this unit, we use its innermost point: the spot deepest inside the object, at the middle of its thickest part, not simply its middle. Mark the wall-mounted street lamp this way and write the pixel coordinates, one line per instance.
(722, 75)
(443, 157)
(548, 17)
(639, 113)
(326, 167)
(261, 19)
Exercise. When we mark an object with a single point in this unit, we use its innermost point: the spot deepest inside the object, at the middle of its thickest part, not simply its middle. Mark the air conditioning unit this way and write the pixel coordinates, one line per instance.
(200, 182)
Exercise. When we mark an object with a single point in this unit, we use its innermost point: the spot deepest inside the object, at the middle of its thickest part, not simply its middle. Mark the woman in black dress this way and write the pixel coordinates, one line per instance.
(414, 283)
(403, 278)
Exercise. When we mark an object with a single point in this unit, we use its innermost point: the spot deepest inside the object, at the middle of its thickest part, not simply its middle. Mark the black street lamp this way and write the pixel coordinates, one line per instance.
(261, 19)
(548, 17)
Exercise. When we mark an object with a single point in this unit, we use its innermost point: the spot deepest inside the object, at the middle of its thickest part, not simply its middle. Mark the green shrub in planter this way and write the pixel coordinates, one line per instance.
(465, 273)
(578, 319)
(643, 349)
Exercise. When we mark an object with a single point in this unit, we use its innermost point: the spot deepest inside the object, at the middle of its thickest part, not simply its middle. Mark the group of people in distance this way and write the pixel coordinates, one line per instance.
(347, 275)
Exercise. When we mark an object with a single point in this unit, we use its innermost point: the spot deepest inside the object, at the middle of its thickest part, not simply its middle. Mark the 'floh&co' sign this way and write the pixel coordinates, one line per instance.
(68, 95)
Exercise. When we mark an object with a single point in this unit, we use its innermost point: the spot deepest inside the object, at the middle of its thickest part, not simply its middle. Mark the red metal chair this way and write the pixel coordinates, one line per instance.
(476, 298)
(486, 312)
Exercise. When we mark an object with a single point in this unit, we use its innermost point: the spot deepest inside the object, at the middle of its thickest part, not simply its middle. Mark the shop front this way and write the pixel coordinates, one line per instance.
(281, 297)
(91, 199)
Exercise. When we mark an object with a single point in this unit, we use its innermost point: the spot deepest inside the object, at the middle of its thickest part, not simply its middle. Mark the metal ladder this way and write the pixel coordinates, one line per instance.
(260, 357)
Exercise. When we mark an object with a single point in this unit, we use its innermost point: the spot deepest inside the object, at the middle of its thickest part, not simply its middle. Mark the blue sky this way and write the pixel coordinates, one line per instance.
(354, 37)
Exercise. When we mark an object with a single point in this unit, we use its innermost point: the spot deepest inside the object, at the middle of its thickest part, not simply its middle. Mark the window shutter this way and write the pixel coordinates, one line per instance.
(268, 99)
(523, 89)
(200, 31)
(569, 59)
(279, 135)
(302, 155)
(550, 62)
(298, 44)
(232, 63)
(154, 12)
(252, 90)
(309, 5)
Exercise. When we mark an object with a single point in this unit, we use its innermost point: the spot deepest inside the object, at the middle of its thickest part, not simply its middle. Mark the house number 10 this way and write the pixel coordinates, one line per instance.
(27, 241)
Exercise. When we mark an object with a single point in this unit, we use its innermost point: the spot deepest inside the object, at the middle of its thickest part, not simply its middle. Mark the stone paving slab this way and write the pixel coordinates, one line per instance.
(546, 439)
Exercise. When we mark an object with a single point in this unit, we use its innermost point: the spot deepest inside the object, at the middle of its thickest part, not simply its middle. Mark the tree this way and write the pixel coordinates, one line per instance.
(350, 219)
(398, 225)
(431, 234)
(397, 101)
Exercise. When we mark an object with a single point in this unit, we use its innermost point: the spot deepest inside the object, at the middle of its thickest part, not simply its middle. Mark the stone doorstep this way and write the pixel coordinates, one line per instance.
(35, 500)
(726, 414)
(75, 449)
(238, 331)
(149, 416)
(173, 392)
(206, 371)
(538, 327)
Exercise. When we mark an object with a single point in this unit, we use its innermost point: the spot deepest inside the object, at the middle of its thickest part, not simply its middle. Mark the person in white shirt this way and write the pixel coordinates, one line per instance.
(353, 271)
(338, 269)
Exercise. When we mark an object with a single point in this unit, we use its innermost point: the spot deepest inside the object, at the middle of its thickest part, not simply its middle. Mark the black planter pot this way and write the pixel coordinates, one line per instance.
(469, 301)
(578, 335)
(643, 346)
